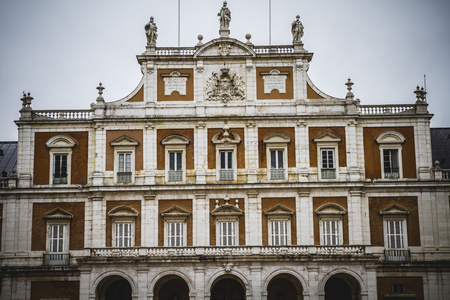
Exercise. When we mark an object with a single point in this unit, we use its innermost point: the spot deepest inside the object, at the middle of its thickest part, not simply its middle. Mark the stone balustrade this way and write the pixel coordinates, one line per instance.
(228, 251)
(391, 109)
(273, 49)
(175, 51)
(75, 114)
(446, 174)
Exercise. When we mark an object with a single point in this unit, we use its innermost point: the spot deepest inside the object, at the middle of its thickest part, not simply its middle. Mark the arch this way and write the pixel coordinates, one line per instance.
(390, 137)
(245, 50)
(152, 283)
(228, 285)
(61, 141)
(107, 274)
(175, 139)
(330, 209)
(345, 272)
(171, 287)
(231, 274)
(276, 273)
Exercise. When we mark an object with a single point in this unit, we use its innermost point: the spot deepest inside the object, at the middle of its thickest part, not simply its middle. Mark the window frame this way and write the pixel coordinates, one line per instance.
(279, 213)
(122, 145)
(331, 212)
(327, 141)
(175, 143)
(277, 141)
(324, 236)
(226, 148)
(123, 215)
(391, 140)
(271, 236)
(58, 217)
(175, 214)
(60, 145)
(167, 226)
(223, 142)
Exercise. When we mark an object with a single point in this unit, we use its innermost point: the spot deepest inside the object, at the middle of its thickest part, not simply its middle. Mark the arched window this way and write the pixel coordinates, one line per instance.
(60, 158)
(390, 143)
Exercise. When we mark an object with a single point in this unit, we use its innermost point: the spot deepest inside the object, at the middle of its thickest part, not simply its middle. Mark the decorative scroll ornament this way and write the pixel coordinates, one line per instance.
(225, 86)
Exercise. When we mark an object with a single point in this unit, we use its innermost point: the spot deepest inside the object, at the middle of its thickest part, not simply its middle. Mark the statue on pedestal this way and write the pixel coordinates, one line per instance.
(297, 30)
(225, 16)
(150, 31)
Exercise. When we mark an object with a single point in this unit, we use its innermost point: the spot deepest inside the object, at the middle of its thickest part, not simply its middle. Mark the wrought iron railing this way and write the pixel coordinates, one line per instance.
(226, 175)
(56, 259)
(398, 255)
(277, 174)
(124, 177)
(328, 173)
(175, 176)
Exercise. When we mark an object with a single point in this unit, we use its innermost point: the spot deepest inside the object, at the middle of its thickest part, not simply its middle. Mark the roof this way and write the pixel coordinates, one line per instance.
(440, 146)
(8, 159)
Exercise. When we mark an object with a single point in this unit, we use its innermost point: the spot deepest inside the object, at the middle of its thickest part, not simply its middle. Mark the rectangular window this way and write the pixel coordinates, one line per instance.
(60, 169)
(277, 164)
(175, 166)
(395, 234)
(279, 233)
(226, 165)
(123, 234)
(331, 232)
(124, 168)
(227, 233)
(390, 163)
(175, 234)
(58, 238)
(328, 170)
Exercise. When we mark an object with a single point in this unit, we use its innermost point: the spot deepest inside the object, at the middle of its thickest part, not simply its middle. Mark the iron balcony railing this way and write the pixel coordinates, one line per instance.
(124, 177)
(60, 178)
(277, 174)
(397, 255)
(56, 259)
(328, 173)
(226, 175)
(175, 176)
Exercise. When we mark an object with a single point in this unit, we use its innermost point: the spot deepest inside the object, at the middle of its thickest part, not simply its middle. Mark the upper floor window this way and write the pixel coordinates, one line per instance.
(124, 159)
(60, 158)
(390, 143)
(123, 225)
(175, 226)
(58, 233)
(279, 225)
(175, 153)
(327, 154)
(276, 145)
(227, 222)
(226, 150)
(331, 224)
(395, 232)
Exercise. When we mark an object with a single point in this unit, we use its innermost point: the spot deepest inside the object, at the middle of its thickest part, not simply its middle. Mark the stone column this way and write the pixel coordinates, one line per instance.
(150, 153)
(313, 278)
(149, 220)
(142, 281)
(354, 173)
(302, 150)
(371, 281)
(253, 208)
(199, 282)
(150, 87)
(85, 283)
(256, 281)
(251, 152)
(356, 228)
(305, 232)
(100, 154)
(199, 89)
(200, 219)
(98, 220)
(201, 152)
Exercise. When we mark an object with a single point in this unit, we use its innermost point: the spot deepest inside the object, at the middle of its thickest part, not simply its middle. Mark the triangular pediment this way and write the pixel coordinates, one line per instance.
(124, 141)
(327, 137)
(394, 209)
(224, 47)
(123, 211)
(58, 213)
(278, 210)
(175, 211)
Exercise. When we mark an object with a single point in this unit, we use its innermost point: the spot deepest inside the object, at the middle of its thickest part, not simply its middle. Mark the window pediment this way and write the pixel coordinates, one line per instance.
(227, 210)
(278, 210)
(394, 209)
(124, 141)
(226, 138)
(175, 139)
(390, 137)
(175, 212)
(59, 214)
(327, 137)
(330, 209)
(123, 211)
(276, 138)
(61, 141)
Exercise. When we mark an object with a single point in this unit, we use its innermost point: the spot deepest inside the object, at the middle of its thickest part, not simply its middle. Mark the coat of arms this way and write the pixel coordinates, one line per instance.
(225, 86)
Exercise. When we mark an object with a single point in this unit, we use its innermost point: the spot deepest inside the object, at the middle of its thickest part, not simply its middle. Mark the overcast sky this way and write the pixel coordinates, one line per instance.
(60, 50)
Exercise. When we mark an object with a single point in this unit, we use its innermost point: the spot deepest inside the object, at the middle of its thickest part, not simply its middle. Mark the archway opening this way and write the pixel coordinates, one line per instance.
(342, 287)
(114, 288)
(171, 287)
(228, 288)
(284, 287)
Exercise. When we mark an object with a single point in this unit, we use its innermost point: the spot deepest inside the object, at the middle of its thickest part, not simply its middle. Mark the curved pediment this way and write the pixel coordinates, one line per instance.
(390, 137)
(330, 209)
(123, 211)
(61, 141)
(224, 47)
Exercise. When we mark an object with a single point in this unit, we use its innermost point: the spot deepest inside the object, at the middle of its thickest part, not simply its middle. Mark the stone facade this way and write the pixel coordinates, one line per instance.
(226, 174)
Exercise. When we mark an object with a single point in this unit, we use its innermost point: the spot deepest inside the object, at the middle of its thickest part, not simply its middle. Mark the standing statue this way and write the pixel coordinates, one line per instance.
(297, 30)
(150, 31)
(225, 16)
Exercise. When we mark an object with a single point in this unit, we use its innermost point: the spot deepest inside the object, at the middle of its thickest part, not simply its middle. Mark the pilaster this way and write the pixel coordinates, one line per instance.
(98, 220)
(351, 146)
(100, 154)
(150, 153)
(201, 219)
(251, 153)
(302, 150)
(355, 217)
(253, 217)
(201, 153)
(199, 282)
(305, 232)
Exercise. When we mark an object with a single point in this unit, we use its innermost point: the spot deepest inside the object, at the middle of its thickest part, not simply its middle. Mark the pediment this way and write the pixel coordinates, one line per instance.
(276, 138)
(123, 211)
(226, 138)
(175, 211)
(61, 141)
(327, 137)
(124, 141)
(227, 210)
(330, 209)
(390, 137)
(223, 47)
(278, 210)
(175, 139)
(58, 213)
(394, 209)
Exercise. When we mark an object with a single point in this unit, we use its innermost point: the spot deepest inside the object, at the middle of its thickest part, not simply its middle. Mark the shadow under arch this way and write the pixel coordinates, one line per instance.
(232, 274)
(342, 284)
(171, 287)
(284, 284)
(152, 283)
(114, 286)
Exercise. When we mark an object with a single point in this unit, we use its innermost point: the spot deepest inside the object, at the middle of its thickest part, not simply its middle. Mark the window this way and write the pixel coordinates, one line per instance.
(227, 233)
(390, 143)
(327, 154)
(58, 233)
(123, 220)
(124, 153)
(175, 153)
(279, 225)
(398, 288)
(226, 151)
(60, 148)
(57, 238)
(395, 233)
(330, 224)
(227, 222)
(175, 226)
(276, 145)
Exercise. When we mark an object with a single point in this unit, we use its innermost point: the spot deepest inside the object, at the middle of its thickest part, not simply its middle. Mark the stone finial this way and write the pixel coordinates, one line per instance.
(248, 36)
(26, 101)
(100, 89)
(217, 203)
(227, 200)
(200, 38)
(420, 94)
(236, 203)
(437, 166)
(349, 85)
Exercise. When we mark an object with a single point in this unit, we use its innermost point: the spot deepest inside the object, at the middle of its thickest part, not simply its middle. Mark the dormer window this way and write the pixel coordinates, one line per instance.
(58, 233)
(279, 225)
(123, 226)
(226, 151)
(327, 154)
(60, 149)
(175, 150)
(227, 222)
(124, 159)
(276, 145)
(390, 143)
(175, 226)
(330, 224)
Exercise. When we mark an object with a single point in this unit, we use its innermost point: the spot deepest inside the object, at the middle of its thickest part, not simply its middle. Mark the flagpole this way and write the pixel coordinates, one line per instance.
(178, 23)
(270, 22)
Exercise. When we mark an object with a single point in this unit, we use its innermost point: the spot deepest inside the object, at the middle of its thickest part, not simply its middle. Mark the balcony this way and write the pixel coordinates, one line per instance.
(124, 177)
(328, 173)
(397, 255)
(277, 174)
(226, 175)
(60, 178)
(391, 173)
(56, 259)
(175, 176)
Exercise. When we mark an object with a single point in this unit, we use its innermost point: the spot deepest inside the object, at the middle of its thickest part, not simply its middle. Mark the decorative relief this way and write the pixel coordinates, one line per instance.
(175, 81)
(275, 80)
(224, 49)
(225, 86)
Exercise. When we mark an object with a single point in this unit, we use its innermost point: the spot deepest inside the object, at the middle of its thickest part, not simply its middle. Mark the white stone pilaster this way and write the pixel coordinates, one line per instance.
(98, 220)
(253, 217)
(149, 220)
(100, 154)
(251, 153)
(305, 229)
(142, 282)
(201, 152)
(423, 149)
(256, 280)
(150, 153)
(302, 150)
(352, 151)
(200, 219)
(199, 282)
(25, 155)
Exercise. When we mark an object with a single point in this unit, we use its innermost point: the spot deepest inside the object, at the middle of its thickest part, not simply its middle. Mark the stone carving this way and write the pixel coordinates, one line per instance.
(225, 16)
(224, 49)
(275, 80)
(175, 81)
(297, 30)
(150, 31)
(225, 86)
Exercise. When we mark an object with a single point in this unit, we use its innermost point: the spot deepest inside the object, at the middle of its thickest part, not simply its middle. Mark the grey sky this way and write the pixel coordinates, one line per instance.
(60, 50)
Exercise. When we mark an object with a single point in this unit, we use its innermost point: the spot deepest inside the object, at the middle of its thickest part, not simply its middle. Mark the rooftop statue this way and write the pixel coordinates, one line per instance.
(150, 31)
(297, 30)
(225, 16)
